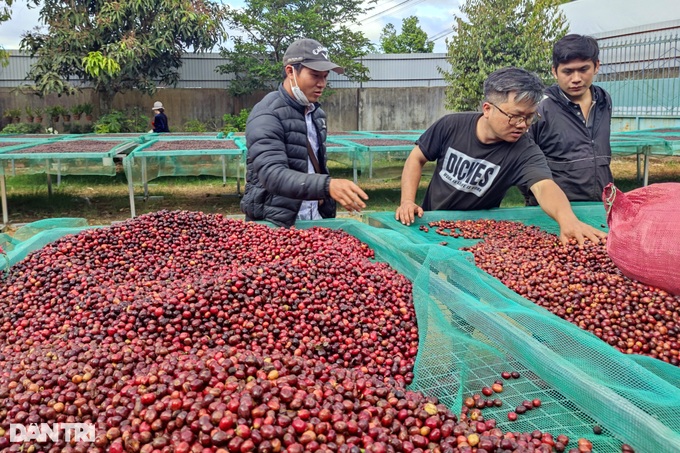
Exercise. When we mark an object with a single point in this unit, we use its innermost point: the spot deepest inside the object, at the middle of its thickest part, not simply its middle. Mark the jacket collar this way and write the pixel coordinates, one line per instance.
(556, 94)
(290, 101)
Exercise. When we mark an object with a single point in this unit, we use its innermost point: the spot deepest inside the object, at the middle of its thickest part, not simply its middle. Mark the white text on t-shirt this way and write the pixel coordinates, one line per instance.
(467, 174)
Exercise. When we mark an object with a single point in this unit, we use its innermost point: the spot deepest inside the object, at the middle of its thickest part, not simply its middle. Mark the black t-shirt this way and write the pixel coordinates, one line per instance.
(471, 175)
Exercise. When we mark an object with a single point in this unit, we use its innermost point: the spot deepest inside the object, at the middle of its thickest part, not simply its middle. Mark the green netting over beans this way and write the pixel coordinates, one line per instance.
(33, 137)
(636, 398)
(592, 213)
(346, 134)
(166, 135)
(36, 235)
(177, 155)
(390, 133)
(70, 155)
(472, 328)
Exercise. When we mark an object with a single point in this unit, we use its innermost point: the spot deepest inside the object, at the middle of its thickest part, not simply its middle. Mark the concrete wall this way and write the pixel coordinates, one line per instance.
(342, 109)
(365, 109)
(184, 104)
(403, 108)
(347, 108)
(12, 98)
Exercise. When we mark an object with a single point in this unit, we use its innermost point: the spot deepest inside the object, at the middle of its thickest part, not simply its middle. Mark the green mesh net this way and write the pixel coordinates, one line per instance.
(374, 156)
(177, 155)
(670, 137)
(472, 328)
(382, 157)
(342, 155)
(592, 213)
(642, 143)
(68, 155)
(35, 235)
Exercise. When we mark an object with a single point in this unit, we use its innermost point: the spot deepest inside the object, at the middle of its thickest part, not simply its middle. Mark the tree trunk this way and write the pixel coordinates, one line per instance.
(105, 101)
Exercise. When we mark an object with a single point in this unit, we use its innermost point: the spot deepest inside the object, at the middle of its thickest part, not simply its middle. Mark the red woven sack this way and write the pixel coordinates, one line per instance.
(644, 233)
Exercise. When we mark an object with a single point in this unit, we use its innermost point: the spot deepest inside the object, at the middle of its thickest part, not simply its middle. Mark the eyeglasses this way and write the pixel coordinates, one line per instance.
(515, 120)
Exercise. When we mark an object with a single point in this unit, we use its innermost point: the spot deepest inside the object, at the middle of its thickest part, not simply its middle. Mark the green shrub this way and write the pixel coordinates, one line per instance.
(116, 122)
(87, 108)
(22, 128)
(137, 121)
(75, 128)
(195, 126)
(235, 123)
(12, 113)
(55, 111)
(111, 123)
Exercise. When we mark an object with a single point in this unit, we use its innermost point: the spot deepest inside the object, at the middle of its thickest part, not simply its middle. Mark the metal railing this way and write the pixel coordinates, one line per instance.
(642, 74)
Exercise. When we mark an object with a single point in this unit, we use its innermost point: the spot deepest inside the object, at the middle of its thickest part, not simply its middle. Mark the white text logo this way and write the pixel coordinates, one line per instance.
(78, 432)
(468, 174)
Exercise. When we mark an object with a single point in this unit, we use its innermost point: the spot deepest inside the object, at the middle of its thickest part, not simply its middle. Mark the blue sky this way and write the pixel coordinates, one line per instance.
(435, 16)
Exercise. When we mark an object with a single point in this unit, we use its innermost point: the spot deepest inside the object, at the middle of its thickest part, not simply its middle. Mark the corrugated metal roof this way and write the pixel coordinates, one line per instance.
(398, 70)
(198, 71)
(650, 49)
(14, 73)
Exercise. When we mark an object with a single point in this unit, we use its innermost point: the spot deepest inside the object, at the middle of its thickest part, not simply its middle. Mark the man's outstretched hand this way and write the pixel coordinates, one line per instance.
(348, 194)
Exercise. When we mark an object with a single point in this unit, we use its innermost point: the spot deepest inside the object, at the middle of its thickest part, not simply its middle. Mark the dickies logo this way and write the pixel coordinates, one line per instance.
(467, 174)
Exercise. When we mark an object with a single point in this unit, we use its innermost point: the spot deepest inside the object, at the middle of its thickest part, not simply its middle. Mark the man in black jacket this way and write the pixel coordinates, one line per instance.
(287, 178)
(575, 126)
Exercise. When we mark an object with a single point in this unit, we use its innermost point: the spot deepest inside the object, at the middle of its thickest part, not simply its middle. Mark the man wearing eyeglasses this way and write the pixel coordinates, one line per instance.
(480, 155)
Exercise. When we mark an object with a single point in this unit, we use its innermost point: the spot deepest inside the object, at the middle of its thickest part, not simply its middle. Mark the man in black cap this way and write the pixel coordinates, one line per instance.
(287, 178)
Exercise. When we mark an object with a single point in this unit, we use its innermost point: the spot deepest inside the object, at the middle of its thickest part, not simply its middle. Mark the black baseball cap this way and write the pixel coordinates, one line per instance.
(312, 54)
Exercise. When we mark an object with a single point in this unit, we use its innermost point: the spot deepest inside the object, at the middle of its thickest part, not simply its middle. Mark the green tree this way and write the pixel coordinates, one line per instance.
(263, 30)
(412, 38)
(119, 45)
(495, 34)
(5, 15)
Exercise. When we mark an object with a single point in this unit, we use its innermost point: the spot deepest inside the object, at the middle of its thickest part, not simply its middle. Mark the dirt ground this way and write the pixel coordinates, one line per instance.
(105, 200)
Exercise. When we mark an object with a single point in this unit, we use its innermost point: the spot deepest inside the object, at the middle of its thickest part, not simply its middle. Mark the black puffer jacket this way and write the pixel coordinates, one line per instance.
(579, 159)
(276, 178)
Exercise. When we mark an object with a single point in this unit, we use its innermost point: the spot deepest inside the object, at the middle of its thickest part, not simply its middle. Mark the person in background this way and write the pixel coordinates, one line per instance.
(574, 133)
(286, 174)
(480, 155)
(160, 121)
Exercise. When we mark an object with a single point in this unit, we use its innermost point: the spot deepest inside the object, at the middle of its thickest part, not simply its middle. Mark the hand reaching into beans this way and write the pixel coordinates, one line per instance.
(580, 232)
(348, 194)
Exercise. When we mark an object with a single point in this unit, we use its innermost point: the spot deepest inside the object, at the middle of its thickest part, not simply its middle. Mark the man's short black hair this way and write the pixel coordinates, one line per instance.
(575, 47)
(526, 85)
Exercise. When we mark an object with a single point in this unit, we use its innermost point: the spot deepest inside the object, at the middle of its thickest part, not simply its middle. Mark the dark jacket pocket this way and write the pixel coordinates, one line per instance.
(327, 209)
(253, 203)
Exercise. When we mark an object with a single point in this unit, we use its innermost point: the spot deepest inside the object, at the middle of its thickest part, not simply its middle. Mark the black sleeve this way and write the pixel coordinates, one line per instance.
(533, 167)
(432, 140)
